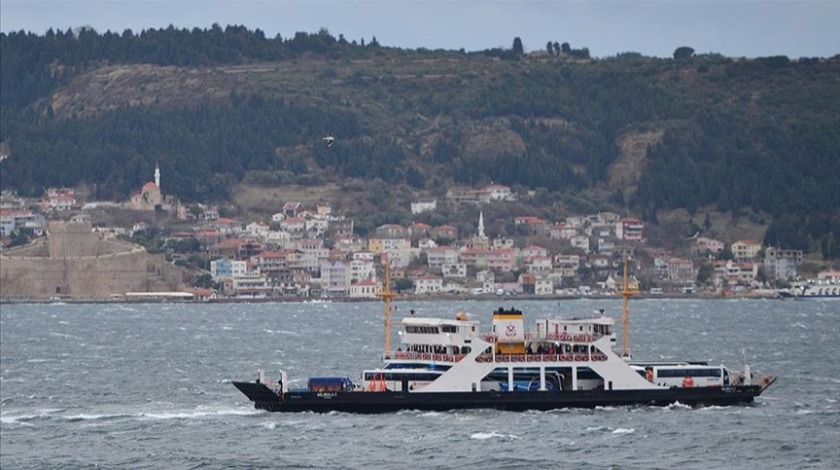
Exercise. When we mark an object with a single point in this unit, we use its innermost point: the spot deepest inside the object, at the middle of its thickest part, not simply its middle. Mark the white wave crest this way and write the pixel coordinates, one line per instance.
(490, 435)
(624, 431)
(606, 408)
(596, 429)
(713, 408)
(196, 414)
(23, 419)
(93, 417)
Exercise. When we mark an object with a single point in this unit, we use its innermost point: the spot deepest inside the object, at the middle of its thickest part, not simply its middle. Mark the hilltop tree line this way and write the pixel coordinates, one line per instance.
(33, 65)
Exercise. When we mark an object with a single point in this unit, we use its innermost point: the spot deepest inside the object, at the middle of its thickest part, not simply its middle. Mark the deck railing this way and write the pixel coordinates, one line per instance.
(565, 337)
(452, 358)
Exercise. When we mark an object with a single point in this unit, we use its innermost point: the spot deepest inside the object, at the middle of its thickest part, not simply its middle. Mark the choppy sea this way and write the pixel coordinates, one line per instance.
(148, 386)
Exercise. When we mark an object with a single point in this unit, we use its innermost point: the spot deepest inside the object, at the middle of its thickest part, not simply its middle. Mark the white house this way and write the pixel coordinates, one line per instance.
(540, 265)
(335, 279)
(363, 255)
(226, 268)
(428, 285)
(61, 200)
(499, 192)
(543, 287)
(317, 226)
(630, 228)
(278, 217)
(423, 205)
(444, 255)
(458, 270)
(257, 229)
(277, 238)
(312, 258)
(293, 224)
(580, 241)
(250, 285)
(366, 289)
(361, 270)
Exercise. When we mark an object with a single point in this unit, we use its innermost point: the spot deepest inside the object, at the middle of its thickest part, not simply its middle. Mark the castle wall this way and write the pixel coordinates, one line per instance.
(72, 239)
(75, 277)
(77, 263)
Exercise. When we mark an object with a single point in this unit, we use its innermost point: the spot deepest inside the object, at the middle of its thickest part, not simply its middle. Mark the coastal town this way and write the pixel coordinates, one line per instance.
(313, 252)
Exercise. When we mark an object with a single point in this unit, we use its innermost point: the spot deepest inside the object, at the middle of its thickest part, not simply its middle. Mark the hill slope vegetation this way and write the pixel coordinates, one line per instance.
(219, 107)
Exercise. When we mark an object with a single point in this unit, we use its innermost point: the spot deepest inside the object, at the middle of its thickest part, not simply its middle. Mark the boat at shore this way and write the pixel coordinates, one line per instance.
(448, 363)
(812, 290)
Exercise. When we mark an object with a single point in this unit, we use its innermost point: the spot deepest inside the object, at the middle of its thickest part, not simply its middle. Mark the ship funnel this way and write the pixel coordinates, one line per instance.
(509, 328)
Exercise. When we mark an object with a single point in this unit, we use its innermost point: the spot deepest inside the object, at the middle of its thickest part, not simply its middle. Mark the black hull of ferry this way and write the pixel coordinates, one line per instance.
(387, 402)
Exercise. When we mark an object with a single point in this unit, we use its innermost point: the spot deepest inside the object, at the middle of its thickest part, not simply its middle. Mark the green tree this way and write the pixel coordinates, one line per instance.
(205, 281)
(704, 273)
(518, 49)
(402, 284)
(22, 236)
(683, 52)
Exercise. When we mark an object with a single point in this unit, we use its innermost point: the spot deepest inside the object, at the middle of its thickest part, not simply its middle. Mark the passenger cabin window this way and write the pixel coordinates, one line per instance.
(422, 329)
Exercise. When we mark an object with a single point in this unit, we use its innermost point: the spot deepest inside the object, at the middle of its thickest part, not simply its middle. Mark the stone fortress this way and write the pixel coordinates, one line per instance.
(76, 263)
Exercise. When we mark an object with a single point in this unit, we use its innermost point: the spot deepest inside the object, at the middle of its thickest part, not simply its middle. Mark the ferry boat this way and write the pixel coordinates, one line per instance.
(819, 289)
(445, 364)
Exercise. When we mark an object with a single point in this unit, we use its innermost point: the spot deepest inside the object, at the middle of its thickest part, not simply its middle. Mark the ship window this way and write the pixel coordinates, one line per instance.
(581, 328)
(710, 372)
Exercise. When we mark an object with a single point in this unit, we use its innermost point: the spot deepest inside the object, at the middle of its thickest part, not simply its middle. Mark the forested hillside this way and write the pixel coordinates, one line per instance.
(218, 106)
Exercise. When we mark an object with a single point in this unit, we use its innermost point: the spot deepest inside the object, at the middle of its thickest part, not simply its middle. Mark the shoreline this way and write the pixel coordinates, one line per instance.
(412, 298)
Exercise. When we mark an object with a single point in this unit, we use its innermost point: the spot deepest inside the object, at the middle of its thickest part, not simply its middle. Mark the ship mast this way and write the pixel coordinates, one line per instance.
(387, 295)
(626, 293)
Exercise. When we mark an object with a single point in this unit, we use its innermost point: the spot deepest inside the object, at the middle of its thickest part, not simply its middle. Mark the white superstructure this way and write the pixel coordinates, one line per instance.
(453, 355)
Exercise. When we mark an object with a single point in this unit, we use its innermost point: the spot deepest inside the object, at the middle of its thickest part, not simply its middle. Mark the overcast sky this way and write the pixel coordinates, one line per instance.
(751, 28)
